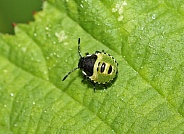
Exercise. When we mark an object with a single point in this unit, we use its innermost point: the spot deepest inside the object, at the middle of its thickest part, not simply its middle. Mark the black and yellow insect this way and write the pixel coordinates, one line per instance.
(99, 68)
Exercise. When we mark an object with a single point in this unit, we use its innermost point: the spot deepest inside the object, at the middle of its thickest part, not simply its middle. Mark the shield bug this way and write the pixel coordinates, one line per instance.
(99, 68)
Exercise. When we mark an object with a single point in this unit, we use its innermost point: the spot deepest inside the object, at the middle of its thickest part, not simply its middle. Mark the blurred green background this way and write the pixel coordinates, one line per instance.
(17, 11)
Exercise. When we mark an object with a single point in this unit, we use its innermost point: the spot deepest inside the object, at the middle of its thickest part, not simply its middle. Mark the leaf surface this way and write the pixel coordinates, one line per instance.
(145, 37)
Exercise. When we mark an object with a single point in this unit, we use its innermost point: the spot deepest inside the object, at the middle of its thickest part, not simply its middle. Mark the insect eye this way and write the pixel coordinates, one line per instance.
(110, 69)
(102, 67)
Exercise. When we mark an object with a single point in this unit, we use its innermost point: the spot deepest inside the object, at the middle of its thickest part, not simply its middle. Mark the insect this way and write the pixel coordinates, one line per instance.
(99, 68)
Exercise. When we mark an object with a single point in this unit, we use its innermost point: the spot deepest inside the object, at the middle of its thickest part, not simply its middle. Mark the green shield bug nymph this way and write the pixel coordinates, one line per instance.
(100, 67)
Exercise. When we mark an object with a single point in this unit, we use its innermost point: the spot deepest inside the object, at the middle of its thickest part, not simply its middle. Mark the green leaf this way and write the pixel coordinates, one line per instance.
(145, 37)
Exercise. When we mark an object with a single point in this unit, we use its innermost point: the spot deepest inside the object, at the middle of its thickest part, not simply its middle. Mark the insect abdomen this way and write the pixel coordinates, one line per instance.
(105, 69)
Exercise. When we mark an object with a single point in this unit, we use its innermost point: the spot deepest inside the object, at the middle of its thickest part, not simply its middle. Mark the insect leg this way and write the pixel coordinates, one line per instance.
(94, 86)
(97, 52)
(87, 53)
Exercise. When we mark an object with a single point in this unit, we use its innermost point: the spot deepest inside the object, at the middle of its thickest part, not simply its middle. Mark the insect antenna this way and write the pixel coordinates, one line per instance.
(69, 73)
(79, 48)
